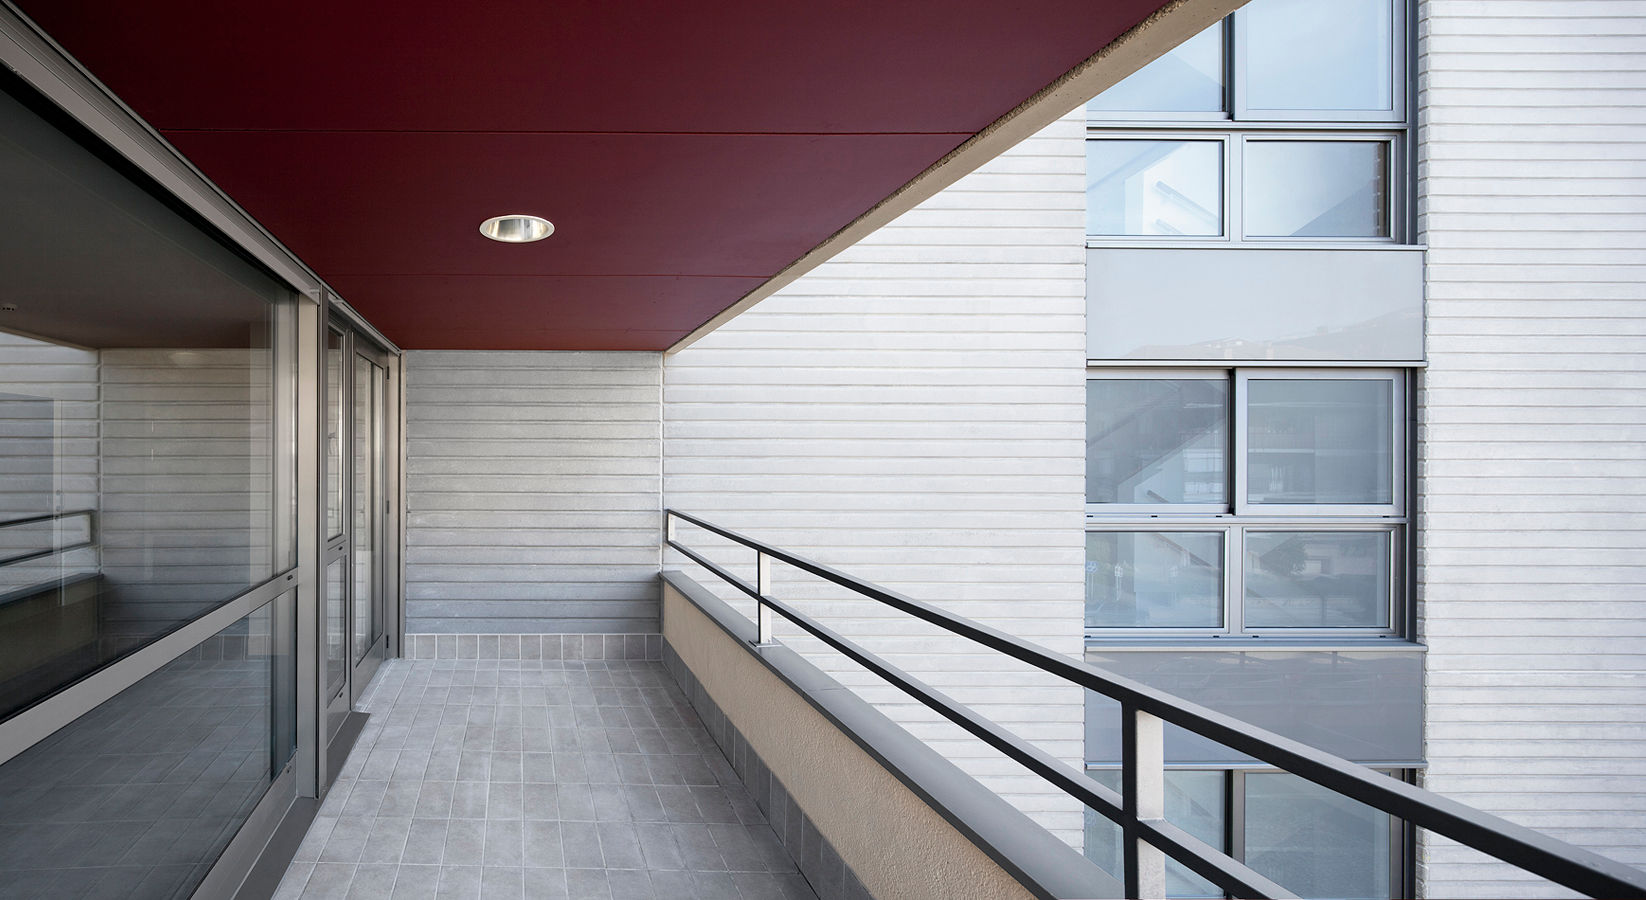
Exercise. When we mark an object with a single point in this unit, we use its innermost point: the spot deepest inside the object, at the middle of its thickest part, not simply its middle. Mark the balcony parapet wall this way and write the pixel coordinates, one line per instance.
(863, 806)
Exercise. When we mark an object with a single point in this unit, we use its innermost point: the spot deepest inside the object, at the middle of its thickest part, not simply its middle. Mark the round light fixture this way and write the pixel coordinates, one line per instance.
(517, 229)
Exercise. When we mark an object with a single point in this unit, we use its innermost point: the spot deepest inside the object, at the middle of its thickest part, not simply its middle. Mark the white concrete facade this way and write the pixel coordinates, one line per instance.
(913, 412)
(1532, 187)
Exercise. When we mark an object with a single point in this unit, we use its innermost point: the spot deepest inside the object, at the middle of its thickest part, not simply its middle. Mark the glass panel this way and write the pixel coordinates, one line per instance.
(1317, 579)
(1156, 440)
(142, 420)
(1154, 188)
(1154, 579)
(337, 624)
(363, 538)
(334, 433)
(1316, 189)
(1309, 55)
(138, 797)
(1187, 79)
(1194, 803)
(1320, 441)
(1313, 842)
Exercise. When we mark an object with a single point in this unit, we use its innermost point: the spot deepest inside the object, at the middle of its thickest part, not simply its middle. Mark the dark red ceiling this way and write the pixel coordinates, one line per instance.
(686, 152)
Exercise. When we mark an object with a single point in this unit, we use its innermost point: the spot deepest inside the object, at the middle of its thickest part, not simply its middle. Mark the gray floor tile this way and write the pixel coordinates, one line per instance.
(372, 882)
(425, 842)
(416, 883)
(458, 883)
(532, 779)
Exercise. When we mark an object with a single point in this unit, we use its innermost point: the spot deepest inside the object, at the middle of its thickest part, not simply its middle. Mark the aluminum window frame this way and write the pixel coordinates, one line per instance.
(1399, 76)
(1225, 508)
(1238, 517)
(1395, 508)
(1394, 206)
(1107, 118)
(1226, 142)
(1226, 595)
(1238, 123)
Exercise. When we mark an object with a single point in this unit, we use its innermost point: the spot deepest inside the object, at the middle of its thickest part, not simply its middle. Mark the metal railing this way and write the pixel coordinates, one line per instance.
(90, 539)
(1139, 808)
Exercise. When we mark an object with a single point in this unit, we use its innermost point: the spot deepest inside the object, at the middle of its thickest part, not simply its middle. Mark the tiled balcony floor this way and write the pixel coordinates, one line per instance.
(529, 779)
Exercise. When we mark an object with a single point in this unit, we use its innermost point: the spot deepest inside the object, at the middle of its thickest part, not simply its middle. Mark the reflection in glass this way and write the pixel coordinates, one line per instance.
(1156, 440)
(1136, 187)
(138, 797)
(1309, 55)
(337, 624)
(334, 433)
(1187, 79)
(1154, 579)
(363, 539)
(1316, 189)
(1320, 441)
(139, 428)
(1317, 579)
(1314, 842)
(1194, 803)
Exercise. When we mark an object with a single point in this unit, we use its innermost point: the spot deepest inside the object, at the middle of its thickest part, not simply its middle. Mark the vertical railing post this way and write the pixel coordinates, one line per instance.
(1143, 796)
(668, 526)
(763, 586)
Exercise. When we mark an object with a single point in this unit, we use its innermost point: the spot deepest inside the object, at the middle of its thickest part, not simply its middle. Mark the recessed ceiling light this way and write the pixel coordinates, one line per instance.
(517, 229)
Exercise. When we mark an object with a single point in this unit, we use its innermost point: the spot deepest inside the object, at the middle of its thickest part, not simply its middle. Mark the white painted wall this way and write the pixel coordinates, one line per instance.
(1533, 444)
(532, 490)
(913, 412)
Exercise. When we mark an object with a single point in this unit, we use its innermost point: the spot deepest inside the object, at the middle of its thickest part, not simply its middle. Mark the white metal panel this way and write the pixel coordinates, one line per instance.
(913, 412)
(532, 492)
(1533, 583)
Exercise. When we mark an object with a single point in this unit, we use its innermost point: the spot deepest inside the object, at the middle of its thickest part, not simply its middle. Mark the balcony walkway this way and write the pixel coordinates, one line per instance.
(537, 779)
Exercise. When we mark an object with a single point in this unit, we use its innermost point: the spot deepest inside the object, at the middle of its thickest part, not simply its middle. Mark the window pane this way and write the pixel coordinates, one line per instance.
(1156, 440)
(138, 797)
(143, 478)
(1154, 579)
(1317, 579)
(1313, 842)
(1154, 188)
(1310, 55)
(1320, 441)
(1188, 79)
(1316, 189)
(1194, 803)
(337, 625)
(363, 539)
(334, 433)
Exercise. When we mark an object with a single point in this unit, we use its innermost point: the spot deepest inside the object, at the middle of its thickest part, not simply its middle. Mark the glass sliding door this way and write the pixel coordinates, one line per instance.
(148, 524)
(357, 580)
(368, 509)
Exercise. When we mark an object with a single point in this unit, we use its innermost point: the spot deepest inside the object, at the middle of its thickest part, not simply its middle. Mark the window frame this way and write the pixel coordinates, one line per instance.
(1238, 123)
(1226, 194)
(1236, 518)
(1237, 57)
(1202, 118)
(1393, 199)
(1240, 468)
(1175, 509)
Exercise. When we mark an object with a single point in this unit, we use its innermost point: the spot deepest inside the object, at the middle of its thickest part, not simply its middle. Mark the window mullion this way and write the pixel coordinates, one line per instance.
(1234, 578)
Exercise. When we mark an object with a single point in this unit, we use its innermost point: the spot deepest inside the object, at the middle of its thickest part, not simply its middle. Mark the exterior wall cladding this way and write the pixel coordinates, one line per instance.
(913, 412)
(1532, 186)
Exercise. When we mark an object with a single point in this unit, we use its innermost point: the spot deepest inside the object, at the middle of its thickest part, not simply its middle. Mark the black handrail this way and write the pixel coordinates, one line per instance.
(91, 534)
(1565, 864)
